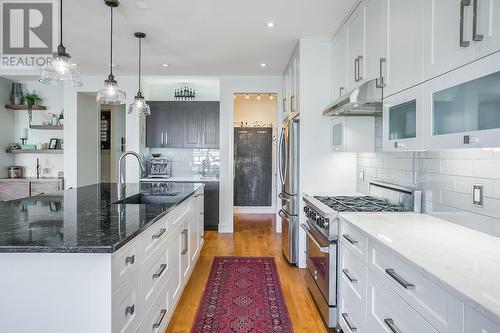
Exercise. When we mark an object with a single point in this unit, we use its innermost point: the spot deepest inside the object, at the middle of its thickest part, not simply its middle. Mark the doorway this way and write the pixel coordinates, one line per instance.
(254, 119)
(112, 140)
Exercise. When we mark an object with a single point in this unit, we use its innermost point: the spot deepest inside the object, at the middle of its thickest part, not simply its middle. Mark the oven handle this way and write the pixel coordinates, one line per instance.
(306, 229)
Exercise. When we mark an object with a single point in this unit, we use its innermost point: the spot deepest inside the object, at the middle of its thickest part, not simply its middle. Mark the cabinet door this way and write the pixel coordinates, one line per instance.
(376, 30)
(339, 64)
(477, 323)
(462, 107)
(192, 127)
(44, 187)
(211, 206)
(404, 61)
(447, 36)
(356, 48)
(210, 126)
(185, 249)
(155, 133)
(194, 230)
(174, 254)
(173, 127)
(487, 27)
(403, 120)
(11, 190)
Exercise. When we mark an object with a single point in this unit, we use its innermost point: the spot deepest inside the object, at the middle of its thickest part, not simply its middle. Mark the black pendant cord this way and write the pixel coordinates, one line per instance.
(140, 60)
(111, 48)
(61, 21)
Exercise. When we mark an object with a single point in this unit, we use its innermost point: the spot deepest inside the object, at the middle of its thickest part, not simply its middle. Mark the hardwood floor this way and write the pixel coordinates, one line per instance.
(253, 236)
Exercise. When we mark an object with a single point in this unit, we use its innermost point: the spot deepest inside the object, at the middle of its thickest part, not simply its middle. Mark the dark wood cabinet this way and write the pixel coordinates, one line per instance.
(183, 125)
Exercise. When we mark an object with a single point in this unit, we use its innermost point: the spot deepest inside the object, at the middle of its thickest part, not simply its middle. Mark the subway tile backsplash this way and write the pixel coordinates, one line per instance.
(446, 178)
(185, 162)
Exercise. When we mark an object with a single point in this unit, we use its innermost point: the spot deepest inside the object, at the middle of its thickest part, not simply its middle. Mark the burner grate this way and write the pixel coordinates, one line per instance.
(359, 204)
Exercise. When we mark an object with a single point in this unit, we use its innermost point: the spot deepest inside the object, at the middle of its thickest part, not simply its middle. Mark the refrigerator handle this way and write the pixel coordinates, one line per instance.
(280, 157)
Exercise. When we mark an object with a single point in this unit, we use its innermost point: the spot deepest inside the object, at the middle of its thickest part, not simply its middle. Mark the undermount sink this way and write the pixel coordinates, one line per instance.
(149, 199)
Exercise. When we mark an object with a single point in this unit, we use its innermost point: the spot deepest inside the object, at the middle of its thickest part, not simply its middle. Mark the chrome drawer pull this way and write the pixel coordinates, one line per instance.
(349, 324)
(162, 316)
(390, 323)
(130, 260)
(392, 273)
(130, 310)
(350, 239)
(158, 235)
(160, 271)
(186, 240)
(348, 275)
(463, 4)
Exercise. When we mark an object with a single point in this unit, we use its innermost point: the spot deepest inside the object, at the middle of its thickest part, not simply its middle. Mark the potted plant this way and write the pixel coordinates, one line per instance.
(31, 98)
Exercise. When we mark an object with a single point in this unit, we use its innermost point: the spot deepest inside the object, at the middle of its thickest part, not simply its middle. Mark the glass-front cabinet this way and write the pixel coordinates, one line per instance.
(403, 118)
(464, 107)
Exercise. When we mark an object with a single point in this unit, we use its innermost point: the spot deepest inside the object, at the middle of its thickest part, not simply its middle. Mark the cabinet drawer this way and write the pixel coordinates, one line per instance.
(44, 187)
(435, 304)
(157, 318)
(352, 311)
(477, 323)
(352, 274)
(387, 312)
(126, 306)
(177, 215)
(124, 262)
(154, 274)
(154, 236)
(354, 240)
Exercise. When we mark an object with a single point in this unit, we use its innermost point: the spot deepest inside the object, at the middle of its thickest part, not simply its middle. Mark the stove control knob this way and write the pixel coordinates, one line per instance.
(325, 223)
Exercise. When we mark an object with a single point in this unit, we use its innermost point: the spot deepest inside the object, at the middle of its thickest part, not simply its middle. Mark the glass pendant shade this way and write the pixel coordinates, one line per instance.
(111, 94)
(139, 106)
(61, 72)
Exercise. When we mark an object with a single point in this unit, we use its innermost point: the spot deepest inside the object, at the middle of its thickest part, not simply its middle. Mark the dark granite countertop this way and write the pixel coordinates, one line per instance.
(85, 219)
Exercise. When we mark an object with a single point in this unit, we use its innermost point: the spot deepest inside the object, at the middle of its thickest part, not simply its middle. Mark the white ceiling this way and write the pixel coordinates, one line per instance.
(197, 37)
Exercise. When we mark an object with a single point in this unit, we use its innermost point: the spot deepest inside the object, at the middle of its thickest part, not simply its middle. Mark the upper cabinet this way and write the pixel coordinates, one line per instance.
(356, 48)
(291, 87)
(461, 107)
(339, 64)
(457, 32)
(376, 23)
(183, 125)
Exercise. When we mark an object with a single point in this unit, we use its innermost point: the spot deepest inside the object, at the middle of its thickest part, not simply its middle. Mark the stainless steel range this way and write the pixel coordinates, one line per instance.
(322, 229)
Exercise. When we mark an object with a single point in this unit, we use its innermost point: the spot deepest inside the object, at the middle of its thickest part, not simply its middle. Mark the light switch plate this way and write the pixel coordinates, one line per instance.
(477, 195)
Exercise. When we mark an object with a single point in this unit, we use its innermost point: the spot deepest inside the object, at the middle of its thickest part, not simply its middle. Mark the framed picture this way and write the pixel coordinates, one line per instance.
(53, 143)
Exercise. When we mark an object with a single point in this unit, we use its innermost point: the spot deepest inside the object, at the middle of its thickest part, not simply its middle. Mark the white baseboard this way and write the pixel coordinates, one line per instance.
(225, 229)
(254, 210)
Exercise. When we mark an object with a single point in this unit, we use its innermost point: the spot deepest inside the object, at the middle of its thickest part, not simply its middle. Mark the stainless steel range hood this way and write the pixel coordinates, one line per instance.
(366, 100)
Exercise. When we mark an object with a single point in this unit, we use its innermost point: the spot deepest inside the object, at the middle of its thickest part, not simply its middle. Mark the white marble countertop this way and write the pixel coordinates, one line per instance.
(465, 261)
(182, 179)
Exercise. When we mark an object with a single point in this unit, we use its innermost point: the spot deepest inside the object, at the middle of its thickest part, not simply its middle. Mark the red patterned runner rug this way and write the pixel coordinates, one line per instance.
(243, 295)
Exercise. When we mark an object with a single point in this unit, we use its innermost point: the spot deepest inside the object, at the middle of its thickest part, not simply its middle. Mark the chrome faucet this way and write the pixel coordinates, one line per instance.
(121, 182)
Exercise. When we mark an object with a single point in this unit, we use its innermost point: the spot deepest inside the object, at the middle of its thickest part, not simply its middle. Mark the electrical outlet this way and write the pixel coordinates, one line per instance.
(362, 175)
(477, 195)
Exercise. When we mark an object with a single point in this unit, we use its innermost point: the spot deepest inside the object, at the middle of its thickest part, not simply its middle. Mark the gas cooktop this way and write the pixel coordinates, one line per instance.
(359, 204)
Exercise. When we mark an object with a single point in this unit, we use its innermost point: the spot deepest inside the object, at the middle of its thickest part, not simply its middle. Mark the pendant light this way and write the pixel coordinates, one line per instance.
(139, 106)
(111, 94)
(61, 71)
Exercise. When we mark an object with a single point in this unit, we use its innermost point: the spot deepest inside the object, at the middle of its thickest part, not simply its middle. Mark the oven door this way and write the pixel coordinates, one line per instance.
(321, 263)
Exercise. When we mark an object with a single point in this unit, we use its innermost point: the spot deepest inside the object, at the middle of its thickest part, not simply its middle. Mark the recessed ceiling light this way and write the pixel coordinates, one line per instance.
(165, 65)
(247, 96)
(263, 64)
(270, 24)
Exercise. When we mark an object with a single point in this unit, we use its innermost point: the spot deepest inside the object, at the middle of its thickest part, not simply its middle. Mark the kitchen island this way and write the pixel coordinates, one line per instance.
(84, 260)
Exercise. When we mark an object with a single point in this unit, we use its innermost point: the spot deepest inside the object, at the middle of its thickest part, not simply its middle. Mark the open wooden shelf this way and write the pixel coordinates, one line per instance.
(47, 127)
(35, 151)
(24, 107)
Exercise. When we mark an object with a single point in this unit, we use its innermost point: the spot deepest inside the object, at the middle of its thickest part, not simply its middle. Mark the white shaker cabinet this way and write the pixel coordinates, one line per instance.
(477, 323)
(376, 20)
(486, 27)
(404, 56)
(356, 48)
(448, 40)
(291, 87)
(339, 64)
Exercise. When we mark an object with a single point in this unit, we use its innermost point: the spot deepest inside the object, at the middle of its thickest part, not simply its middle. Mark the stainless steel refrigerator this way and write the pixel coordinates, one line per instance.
(288, 169)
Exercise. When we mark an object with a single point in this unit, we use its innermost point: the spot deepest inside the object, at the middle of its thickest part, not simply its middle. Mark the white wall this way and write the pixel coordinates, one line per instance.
(229, 86)
(7, 119)
(320, 169)
(52, 98)
(88, 115)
